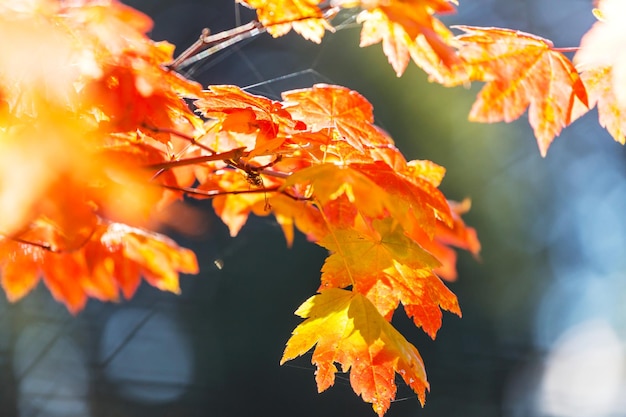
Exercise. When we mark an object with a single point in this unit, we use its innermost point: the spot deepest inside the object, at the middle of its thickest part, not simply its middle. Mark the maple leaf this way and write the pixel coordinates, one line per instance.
(240, 112)
(123, 79)
(280, 16)
(376, 191)
(346, 328)
(113, 259)
(53, 162)
(425, 203)
(458, 235)
(356, 253)
(384, 264)
(290, 213)
(521, 71)
(23, 77)
(602, 70)
(409, 29)
(327, 182)
(332, 108)
(234, 208)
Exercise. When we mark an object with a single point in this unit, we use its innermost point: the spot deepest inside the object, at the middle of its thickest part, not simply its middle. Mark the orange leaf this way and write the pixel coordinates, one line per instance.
(600, 83)
(603, 70)
(280, 16)
(424, 202)
(408, 28)
(356, 253)
(385, 265)
(327, 182)
(347, 329)
(521, 71)
(290, 212)
(333, 108)
(242, 112)
(114, 258)
(376, 191)
(458, 235)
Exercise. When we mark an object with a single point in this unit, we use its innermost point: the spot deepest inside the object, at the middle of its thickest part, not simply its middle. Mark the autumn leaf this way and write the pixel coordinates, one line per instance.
(292, 213)
(346, 328)
(235, 208)
(238, 111)
(330, 109)
(425, 203)
(521, 71)
(376, 191)
(408, 29)
(603, 70)
(280, 16)
(327, 182)
(357, 253)
(384, 264)
(114, 259)
(458, 235)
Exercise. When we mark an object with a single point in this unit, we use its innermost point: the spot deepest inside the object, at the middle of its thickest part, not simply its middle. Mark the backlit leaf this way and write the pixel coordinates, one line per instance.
(280, 16)
(603, 70)
(521, 71)
(409, 29)
(346, 328)
(384, 264)
(113, 259)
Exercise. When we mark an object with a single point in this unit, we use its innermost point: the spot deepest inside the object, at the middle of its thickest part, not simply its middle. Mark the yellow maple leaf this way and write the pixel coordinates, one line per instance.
(346, 328)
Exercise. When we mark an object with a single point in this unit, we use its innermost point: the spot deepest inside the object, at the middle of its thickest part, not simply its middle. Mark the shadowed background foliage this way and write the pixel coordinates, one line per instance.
(543, 326)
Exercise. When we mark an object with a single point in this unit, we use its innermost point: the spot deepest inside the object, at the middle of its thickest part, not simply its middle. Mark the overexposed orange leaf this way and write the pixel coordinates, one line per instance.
(602, 94)
(603, 70)
(102, 73)
(346, 328)
(522, 71)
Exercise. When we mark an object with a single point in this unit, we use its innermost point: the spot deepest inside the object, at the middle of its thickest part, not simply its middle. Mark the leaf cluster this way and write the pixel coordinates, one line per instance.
(108, 133)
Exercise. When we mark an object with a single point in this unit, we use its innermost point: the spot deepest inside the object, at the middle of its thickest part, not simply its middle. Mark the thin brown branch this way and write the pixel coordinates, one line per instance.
(208, 44)
(219, 41)
(211, 194)
(232, 155)
(181, 135)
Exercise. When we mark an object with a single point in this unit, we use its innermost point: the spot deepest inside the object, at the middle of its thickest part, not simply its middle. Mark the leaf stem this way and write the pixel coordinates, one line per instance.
(567, 49)
(234, 154)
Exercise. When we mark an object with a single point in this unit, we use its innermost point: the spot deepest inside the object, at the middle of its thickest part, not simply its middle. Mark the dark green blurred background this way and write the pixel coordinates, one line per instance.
(543, 324)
